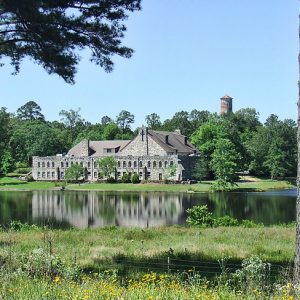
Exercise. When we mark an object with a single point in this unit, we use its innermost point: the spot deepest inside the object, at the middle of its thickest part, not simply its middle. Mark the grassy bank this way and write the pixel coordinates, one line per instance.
(160, 263)
(109, 246)
(253, 185)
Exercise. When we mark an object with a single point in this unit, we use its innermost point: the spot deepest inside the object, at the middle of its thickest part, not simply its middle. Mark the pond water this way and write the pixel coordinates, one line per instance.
(84, 209)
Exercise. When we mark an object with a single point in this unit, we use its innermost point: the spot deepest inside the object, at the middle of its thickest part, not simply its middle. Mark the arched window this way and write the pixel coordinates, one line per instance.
(141, 163)
(39, 164)
(154, 164)
(166, 164)
(43, 164)
(124, 164)
(67, 165)
(62, 164)
(119, 164)
(160, 164)
(48, 164)
(95, 164)
(53, 164)
(89, 164)
(149, 164)
(129, 164)
(134, 164)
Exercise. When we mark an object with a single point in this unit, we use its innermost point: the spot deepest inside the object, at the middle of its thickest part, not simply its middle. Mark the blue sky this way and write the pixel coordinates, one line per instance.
(187, 55)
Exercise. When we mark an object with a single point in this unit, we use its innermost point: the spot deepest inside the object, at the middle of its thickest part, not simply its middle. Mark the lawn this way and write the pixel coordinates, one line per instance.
(7, 183)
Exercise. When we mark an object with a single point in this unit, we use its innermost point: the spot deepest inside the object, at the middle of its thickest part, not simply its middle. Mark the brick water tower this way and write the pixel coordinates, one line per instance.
(226, 105)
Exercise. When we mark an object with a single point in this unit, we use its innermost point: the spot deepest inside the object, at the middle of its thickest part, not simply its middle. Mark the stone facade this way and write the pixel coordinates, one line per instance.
(150, 154)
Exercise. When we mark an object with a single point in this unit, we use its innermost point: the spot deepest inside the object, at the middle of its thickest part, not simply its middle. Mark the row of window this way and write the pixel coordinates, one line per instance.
(124, 164)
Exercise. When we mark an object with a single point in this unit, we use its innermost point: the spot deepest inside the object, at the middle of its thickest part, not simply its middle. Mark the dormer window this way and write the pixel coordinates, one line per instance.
(108, 150)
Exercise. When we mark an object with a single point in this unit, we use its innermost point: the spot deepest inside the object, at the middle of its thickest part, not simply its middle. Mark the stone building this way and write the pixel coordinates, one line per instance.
(150, 154)
(226, 105)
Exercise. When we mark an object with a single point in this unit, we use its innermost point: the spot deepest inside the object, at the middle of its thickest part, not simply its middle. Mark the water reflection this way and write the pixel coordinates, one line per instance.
(140, 209)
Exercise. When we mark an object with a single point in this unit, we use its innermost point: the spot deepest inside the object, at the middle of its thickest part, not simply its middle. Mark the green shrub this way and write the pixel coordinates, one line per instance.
(111, 180)
(29, 178)
(249, 224)
(125, 178)
(226, 221)
(200, 216)
(20, 164)
(135, 178)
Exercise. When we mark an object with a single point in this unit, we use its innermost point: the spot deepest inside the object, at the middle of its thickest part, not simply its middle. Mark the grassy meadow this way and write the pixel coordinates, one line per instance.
(159, 263)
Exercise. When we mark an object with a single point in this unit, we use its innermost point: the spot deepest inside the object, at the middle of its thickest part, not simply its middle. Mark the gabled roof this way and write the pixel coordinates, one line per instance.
(173, 142)
(96, 148)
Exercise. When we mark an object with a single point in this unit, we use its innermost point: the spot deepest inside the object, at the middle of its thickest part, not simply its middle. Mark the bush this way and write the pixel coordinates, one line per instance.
(135, 178)
(226, 221)
(29, 178)
(125, 178)
(200, 216)
(20, 165)
(249, 224)
(111, 180)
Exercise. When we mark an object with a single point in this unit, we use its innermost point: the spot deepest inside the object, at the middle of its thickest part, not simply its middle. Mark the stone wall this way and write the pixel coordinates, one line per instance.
(149, 167)
(143, 144)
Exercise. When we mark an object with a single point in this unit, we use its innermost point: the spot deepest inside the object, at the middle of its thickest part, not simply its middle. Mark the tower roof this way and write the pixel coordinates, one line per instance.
(226, 97)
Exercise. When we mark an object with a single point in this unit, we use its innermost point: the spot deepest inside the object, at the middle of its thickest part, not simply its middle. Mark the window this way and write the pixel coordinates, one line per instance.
(141, 164)
(148, 175)
(134, 164)
(53, 175)
(154, 164)
(89, 164)
(81, 163)
(160, 164)
(119, 164)
(39, 164)
(62, 164)
(149, 164)
(53, 164)
(119, 174)
(72, 163)
(67, 165)
(43, 164)
(171, 163)
(141, 174)
(43, 174)
(166, 164)
(48, 164)
(48, 174)
(108, 150)
(62, 175)
(129, 164)
(124, 164)
(95, 174)
(95, 164)
(38, 174)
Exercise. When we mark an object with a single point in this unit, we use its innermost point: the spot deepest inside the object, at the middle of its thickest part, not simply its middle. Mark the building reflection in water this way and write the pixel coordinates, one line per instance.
(99, 209)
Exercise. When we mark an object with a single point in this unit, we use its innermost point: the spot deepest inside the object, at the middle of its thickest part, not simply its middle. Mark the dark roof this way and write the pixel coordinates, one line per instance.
(173, 142)
(226, 97)
(96, 148)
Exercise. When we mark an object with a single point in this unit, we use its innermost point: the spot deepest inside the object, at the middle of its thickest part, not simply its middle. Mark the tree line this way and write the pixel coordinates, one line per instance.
(231, 143)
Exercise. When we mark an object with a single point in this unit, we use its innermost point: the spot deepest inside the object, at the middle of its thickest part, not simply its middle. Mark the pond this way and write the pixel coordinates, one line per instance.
(84, 209)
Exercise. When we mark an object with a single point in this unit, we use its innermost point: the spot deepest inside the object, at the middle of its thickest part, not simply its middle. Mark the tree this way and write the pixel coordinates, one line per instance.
(106, 120)
(73, 122)
(224, 164)
(7, 163)
(179, 121)
(30, 111)
(107, 165)
(74, 172)
(153, 121)
(52, 32)
(5, 130)
(201, 168)
(124, 120)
